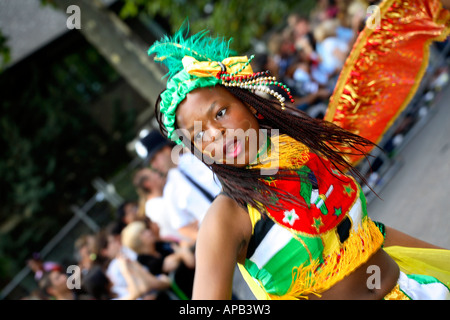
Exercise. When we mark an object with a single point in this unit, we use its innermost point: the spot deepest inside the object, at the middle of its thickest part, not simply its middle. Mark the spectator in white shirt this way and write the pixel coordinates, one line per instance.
(189, 190)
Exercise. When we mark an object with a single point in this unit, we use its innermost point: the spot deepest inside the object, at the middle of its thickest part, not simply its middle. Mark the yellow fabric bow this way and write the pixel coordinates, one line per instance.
(212, 68)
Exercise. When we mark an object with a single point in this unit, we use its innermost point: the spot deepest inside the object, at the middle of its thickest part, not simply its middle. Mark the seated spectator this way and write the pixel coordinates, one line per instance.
(332, 52)
(189, 189)
(85, 252)
(110, 248)
(141, 284)
(161, 257)
(39, 267)
(54, 285)
(324, 10)
(149, 185)
(97, 284)
(118, 284)
(127, 212)
(307, 91)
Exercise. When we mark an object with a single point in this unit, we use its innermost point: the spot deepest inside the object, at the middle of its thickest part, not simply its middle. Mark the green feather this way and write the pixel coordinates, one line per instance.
(171, 50)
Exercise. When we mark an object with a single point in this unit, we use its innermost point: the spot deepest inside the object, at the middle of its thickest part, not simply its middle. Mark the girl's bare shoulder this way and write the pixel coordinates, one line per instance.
(226, 214)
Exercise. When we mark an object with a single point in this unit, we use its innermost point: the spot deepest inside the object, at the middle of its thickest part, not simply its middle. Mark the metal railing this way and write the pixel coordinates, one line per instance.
(89, 218)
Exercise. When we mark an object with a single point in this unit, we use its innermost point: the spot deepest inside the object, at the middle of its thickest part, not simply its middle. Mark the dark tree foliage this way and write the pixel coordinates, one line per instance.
(52, 147)
(244, 21)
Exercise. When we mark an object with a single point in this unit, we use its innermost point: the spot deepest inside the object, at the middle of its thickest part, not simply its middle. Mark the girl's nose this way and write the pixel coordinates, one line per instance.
(214, 134)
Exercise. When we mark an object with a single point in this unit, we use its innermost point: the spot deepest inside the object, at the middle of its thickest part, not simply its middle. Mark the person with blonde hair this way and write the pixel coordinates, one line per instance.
(161, 257)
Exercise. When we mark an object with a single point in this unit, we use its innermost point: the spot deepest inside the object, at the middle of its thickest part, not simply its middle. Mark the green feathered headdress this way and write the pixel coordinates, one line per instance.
(200, 61)
(171, 50)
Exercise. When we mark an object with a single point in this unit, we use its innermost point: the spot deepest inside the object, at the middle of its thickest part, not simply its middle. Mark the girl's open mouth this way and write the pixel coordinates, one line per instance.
(232, 149)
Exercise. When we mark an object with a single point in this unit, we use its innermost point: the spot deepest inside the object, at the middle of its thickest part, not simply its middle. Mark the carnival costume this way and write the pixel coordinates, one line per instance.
(307, 247)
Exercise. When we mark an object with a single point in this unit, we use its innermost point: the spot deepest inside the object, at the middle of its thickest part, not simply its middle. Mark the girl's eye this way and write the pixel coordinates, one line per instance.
(221, 113)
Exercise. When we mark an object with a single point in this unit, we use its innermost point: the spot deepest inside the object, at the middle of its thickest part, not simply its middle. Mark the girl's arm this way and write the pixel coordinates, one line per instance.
(398, 238)
(221, 243)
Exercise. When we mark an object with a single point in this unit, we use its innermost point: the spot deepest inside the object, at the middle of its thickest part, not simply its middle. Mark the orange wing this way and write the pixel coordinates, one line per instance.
(385, 67)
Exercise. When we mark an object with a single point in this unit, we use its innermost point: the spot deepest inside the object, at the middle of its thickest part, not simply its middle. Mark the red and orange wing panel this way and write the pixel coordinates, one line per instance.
(385, 67)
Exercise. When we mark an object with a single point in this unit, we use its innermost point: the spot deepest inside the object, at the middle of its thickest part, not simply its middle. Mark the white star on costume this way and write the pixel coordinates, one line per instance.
(290, 217)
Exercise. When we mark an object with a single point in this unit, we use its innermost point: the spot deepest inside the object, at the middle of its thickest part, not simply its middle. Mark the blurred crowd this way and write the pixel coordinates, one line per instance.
(148, 250)
(308, 53)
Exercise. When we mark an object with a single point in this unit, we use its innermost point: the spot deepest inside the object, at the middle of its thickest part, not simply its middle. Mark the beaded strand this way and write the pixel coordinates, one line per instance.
(259, 81)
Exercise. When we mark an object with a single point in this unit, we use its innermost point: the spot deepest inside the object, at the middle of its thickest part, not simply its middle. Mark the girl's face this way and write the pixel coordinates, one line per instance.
(220, 126)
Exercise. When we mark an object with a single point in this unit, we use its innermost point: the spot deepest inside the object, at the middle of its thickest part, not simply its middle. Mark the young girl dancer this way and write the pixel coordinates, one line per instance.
(292, 213)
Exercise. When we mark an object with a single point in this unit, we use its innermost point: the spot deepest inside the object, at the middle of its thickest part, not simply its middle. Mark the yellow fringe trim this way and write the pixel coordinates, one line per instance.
(283, 152)
(396, 294)
(317, 277)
